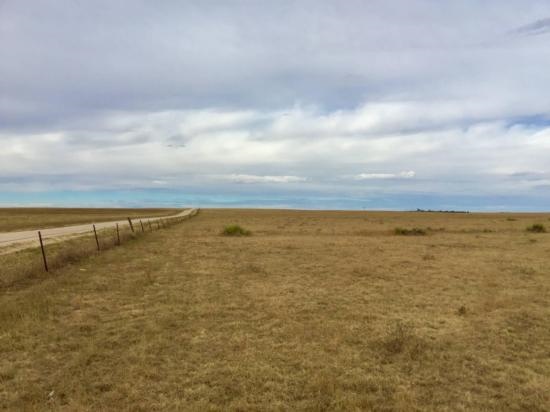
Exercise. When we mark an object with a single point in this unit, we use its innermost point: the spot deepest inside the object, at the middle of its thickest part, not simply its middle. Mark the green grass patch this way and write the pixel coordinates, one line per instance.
(235, 230)
(537, 228)
(409, 232)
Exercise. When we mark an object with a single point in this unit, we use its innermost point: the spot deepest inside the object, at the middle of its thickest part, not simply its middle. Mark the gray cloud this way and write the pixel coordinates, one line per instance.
(68, 59)
(535, 28)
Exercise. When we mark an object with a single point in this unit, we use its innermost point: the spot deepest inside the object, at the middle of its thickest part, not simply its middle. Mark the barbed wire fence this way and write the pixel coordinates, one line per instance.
(57, 250)
(114, 235)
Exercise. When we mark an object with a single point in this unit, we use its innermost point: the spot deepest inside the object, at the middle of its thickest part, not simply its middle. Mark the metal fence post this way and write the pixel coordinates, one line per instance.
(43, 252)
(96, 239)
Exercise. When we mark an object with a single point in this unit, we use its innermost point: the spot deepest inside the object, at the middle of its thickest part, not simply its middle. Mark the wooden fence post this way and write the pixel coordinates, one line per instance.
(158, 225)
(142, 229)
(96, 239)
(118, 234)
(131, 225)
(150, 227)
(43, 252)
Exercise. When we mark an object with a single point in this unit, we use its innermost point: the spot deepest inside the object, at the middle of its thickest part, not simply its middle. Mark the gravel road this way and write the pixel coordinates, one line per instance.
(22, 240)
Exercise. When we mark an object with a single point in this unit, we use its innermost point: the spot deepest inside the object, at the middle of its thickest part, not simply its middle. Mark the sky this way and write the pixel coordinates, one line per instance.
(398, 105)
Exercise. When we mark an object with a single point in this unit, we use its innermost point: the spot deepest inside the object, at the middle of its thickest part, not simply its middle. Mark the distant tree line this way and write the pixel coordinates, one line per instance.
(441, 211)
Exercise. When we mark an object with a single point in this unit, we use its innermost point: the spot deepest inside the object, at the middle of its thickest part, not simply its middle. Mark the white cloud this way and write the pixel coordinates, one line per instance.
(314, 153)
(264, 179)
(408, 174)
(402, 175)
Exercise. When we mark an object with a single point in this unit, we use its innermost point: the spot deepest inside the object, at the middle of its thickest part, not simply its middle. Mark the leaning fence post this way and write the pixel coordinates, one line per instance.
(118, 234)
(131, 225)
(142, 229)
(96, 239)
(43, 252)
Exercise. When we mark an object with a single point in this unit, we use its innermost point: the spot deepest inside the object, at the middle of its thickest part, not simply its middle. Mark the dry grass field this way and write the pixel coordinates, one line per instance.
(310, 311)
(13, 219)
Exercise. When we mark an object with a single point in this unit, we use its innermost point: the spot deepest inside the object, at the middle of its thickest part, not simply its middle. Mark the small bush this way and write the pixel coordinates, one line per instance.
(537, 228)
(409, 232)
(235, 230)
(462, 310)
(401, 338)
(398, 336)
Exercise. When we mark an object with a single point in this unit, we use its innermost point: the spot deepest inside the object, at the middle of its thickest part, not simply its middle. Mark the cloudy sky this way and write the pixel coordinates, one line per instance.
(319, 104)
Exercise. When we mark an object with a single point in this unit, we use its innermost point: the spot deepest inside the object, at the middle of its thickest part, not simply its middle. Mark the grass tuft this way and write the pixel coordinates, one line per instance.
(401, 338)
(537, 228)
(410, 232)
(235, 230)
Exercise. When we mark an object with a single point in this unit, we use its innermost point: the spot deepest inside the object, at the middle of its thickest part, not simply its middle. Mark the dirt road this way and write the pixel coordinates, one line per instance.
(21, 240)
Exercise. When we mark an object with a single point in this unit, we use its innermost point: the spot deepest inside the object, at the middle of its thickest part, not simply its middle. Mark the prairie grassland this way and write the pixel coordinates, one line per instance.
(312, 311)
(12, 219)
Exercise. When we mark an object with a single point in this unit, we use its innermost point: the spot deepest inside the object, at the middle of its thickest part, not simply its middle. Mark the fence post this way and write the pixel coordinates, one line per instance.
(43, 252)
(118, 234)
(158, 225)
(150, 227)
(142, 229)
(131, 225)
(96, 239)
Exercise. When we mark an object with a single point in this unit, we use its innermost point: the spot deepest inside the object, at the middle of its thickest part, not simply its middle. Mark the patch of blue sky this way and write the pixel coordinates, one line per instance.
(538, 121)
(180, 198)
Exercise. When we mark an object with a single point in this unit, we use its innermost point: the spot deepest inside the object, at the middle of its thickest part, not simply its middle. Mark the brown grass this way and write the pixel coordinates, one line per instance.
(316, 311)
(13, 219)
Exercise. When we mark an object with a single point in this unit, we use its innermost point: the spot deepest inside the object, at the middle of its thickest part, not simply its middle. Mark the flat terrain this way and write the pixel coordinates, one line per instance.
(313, 311)
(15, 219)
